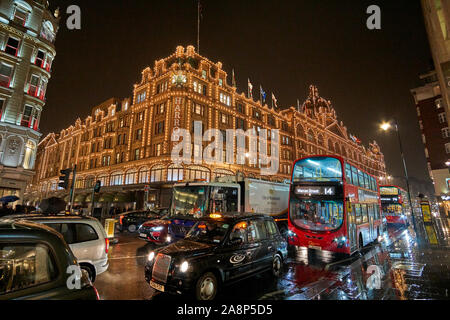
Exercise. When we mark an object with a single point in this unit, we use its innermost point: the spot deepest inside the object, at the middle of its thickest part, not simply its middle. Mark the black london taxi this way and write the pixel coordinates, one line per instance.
(36, 263)
(218, 250)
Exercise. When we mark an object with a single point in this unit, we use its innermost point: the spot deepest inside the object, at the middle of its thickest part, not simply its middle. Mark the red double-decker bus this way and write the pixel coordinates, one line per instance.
(394, 205)
(333, 205)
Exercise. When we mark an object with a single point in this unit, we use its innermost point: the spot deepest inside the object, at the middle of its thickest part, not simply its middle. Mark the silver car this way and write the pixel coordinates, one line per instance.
(86, 238)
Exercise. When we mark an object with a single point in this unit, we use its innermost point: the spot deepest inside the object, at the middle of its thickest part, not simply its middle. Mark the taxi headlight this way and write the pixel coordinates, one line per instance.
(151, 256)
(184, 266)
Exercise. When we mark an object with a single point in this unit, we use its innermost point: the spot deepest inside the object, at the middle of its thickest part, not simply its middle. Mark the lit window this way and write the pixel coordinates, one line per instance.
(204, 74)
(137, 153)
(447, 148)
(445, 133)
(158, 149)
(5, 75)
(442, 117)
(26, 116)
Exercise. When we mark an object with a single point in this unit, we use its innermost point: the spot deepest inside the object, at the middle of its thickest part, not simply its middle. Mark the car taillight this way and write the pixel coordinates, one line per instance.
(96, 293)
(120, 220)
(106, 245)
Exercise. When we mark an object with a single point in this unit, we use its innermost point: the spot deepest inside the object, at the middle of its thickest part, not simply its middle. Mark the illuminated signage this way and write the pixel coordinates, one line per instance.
(389, 199)
(389, 191)
(315, 191)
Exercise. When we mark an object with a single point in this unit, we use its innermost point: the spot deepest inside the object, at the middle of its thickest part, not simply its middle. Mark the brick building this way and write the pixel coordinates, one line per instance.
(435, 135)
(126, 143)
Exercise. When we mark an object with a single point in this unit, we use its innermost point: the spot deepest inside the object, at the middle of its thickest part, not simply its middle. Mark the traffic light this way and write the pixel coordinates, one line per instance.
(64, 179)
(97, 186)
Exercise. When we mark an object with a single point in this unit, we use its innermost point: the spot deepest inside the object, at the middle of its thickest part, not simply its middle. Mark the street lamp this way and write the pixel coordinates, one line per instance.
(386, 126)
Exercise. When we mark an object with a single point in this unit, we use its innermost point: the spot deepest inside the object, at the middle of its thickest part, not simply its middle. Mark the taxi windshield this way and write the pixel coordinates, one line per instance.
(189, 201)
(208, 232)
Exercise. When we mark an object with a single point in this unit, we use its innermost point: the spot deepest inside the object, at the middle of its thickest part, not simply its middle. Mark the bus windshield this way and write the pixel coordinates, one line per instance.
(189, 201)
(316, 215)
(317, 169)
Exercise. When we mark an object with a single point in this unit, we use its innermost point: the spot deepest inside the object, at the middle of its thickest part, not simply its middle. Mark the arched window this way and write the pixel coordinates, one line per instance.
(197, 172)
(131, 176)
(79, 184)
(143, 175)
(301, 132)
(157, 174)
(89, 182)
(175, 173)
(116, 178)
(223, 173)
(103, 178)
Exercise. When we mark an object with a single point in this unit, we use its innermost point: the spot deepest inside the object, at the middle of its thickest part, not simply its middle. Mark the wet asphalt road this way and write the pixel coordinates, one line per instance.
(398, 268)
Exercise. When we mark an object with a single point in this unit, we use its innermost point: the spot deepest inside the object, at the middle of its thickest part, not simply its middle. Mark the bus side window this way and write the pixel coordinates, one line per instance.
(361, 178)
(374, 184)
(366, 181)
(355, 176)
(358, 213)
(348, 173)
(364, 213)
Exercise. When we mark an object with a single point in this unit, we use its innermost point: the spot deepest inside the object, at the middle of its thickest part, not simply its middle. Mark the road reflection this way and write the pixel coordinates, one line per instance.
(399, 267)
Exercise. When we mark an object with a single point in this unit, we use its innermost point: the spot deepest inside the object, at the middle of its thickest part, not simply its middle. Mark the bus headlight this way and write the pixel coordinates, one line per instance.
(184, 266)
(151, 256)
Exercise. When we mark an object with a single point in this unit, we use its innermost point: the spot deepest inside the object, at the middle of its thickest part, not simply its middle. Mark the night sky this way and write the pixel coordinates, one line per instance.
(283, 45)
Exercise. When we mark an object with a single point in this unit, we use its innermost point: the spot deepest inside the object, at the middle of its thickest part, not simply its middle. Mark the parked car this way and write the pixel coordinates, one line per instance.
(132, 220)
(84, 235)
(218, 250)
(34, 260)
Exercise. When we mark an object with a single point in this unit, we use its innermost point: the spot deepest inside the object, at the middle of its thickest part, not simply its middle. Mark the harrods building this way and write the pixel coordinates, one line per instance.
(126, 143)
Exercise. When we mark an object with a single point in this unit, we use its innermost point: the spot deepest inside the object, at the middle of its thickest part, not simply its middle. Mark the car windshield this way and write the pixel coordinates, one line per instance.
(316, 215)
(208, 232)
(189, 201)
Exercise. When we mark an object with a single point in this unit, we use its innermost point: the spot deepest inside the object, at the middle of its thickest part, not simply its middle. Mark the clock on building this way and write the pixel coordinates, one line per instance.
(179, 79)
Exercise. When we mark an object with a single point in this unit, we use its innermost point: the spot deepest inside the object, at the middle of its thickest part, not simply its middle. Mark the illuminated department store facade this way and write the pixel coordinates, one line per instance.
(126, 143)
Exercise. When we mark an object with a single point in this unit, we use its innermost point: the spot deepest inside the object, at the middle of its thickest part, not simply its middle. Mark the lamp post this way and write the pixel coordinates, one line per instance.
(385, 127)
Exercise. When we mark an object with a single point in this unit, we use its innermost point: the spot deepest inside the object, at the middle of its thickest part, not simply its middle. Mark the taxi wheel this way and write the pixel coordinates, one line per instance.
(276, 266)
(132, 228)
(206, 288)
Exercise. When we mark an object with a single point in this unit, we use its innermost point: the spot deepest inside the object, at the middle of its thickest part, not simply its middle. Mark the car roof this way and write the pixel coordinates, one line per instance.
(22, 226)
(41, 217)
